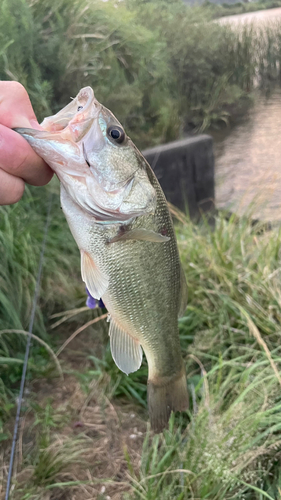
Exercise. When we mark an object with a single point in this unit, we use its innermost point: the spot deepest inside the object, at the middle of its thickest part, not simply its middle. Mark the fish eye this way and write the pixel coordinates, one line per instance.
(116, 133)
(79, 108)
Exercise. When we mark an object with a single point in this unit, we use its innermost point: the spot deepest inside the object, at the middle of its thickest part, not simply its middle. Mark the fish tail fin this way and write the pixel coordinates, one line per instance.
(165, 395)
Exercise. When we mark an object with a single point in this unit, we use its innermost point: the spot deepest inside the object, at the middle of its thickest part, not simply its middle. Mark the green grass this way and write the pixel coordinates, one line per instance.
(160, 66)
(21, 233)
(228, 445)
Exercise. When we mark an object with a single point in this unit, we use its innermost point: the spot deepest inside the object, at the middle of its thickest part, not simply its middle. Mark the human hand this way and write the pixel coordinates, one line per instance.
(18, 162)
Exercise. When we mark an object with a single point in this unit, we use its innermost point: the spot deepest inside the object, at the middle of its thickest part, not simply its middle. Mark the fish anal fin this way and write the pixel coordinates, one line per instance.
(125, 350)
(183, 293)
(96, 281)
(140, 234)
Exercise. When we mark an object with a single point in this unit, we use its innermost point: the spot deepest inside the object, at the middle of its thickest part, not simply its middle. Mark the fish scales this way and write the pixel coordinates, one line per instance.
(149, 301)
(119, 217)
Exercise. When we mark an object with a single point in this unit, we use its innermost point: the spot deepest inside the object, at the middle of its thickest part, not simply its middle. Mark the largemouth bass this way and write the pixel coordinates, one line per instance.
(119, 217)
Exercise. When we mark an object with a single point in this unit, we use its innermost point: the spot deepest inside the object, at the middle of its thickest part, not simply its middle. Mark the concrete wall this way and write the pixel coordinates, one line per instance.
(185, 170)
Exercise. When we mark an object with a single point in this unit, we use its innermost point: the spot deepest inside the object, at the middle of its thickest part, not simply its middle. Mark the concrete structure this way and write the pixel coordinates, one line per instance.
(185, 170)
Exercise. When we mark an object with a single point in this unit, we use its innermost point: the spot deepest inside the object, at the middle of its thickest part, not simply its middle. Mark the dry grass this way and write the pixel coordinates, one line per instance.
(90, 450)
(79, 451)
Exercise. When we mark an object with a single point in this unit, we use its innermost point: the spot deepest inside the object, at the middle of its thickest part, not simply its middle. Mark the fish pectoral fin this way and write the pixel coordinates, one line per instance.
(125, 350)
(140, 234)
(183, 293)
(96, 281)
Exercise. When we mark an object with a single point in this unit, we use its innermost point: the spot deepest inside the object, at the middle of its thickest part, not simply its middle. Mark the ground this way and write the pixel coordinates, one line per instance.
(72, 433)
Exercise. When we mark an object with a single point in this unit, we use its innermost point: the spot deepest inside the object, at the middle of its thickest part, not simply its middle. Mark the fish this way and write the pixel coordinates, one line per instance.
(119, 217)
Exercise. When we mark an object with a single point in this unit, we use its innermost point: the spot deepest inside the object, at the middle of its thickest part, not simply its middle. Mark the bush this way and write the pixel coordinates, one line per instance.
(157, 65)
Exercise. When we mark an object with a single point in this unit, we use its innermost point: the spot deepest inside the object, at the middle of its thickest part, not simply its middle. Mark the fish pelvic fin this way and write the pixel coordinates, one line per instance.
(125, 350)
(96, 282)
(164, 396)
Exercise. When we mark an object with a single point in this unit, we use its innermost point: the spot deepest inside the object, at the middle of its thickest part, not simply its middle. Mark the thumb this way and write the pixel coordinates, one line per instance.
(15, 106)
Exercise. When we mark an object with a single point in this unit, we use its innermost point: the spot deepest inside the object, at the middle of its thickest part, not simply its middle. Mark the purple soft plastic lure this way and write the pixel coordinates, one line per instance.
(93, 303)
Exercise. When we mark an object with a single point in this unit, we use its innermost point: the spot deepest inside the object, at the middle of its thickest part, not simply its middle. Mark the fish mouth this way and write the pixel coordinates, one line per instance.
(78, 115)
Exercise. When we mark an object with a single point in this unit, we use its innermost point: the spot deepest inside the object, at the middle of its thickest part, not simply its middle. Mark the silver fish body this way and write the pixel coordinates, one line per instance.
(119, 217)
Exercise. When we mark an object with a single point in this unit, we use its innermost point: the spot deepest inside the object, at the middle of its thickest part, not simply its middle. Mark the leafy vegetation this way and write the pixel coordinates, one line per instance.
(228, 444)
(161, 67)
(21, 233)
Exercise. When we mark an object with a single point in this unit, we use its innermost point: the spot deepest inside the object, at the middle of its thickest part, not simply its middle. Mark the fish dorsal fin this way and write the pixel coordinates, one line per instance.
(96, 281)
(183, 293)
(140, 234)
(125, 350)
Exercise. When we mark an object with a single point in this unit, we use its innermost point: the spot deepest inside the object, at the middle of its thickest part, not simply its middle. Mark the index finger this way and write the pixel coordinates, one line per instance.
(16, 155)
